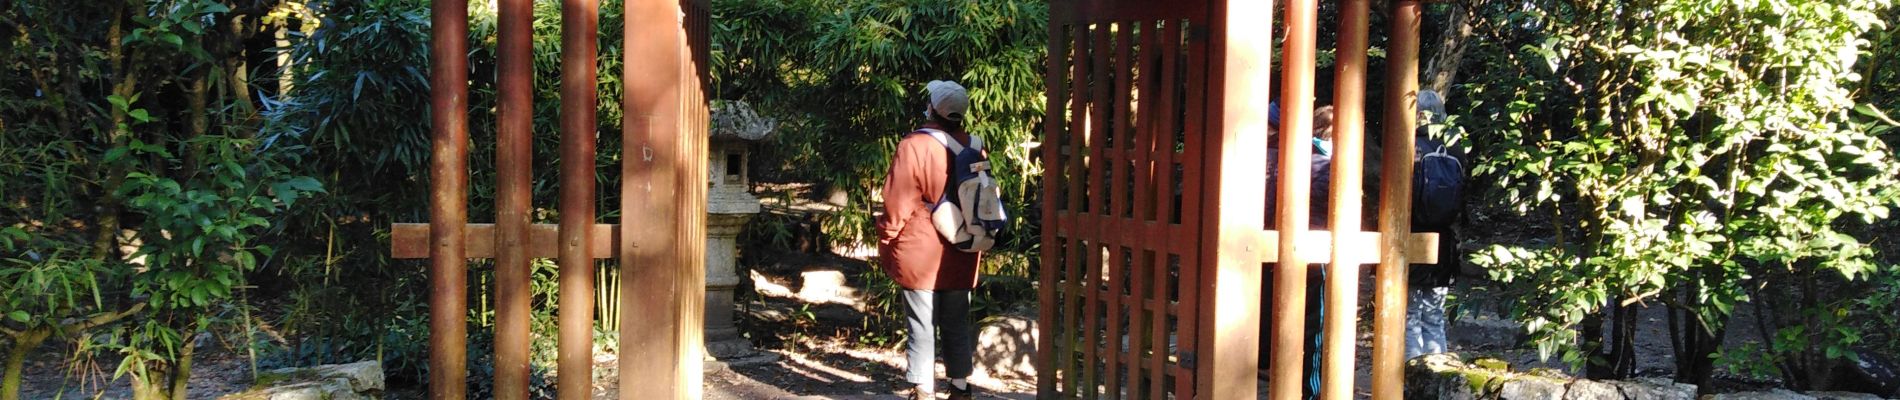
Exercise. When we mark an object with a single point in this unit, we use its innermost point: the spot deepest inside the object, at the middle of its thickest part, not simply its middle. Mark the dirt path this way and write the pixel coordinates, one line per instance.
(52, 374)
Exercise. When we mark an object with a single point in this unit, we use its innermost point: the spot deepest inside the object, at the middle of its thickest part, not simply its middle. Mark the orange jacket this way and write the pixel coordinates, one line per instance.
(909, 247)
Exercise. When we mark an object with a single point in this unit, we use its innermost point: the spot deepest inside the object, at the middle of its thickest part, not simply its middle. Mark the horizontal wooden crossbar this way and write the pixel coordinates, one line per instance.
(1420, 247)
(412, 240)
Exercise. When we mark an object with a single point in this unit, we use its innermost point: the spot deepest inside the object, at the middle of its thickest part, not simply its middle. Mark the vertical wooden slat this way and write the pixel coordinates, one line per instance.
(650, 201)
(1052, 139)
(1138, 335)
(1117, 157)
(1342, 287)
(579, 31)
(1242, 58)
(1144, 102)
(1199, 195)
(1078, 123)
(1295, 173)
(1074, 263)
(1141, 153)
(448, 200)
(692, 47)
(514, 153)
(1395, 205)
(1112, 332)
(1051, 260)
(1169, 41)
(1091, 328)
(1078, 131)
(1098, 195)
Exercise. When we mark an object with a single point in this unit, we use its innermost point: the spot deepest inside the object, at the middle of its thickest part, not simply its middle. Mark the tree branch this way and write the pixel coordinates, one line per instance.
(102, 319)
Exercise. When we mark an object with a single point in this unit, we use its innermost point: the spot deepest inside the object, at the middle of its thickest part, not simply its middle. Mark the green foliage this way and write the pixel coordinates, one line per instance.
(147, 183)
(358, 103)
(845, 78)
(210, 223)
(1683, 151)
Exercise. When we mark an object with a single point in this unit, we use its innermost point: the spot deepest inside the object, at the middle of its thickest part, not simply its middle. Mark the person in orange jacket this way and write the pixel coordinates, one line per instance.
(937, 279)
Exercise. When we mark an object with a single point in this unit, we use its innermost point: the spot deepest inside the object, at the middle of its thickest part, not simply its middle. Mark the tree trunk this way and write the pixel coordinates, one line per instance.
(1701, 338)
(1623, 352)
(148, 386)
(1441, 71)
(181, 374)
(1593, 344)
(285, 76)
(16, 360)
(1698, 366)
(198, 124)
(1819, 368)
(1695, 363)
(119, 134)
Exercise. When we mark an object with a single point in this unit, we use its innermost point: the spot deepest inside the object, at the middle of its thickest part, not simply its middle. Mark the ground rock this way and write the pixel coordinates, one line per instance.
(1006, 347)
(1583, 389)
(1842, 396)
(1446, 376)
(1872, 373)
(1777, 394)
(1655, 388)
(354, 381)
(1532, 388)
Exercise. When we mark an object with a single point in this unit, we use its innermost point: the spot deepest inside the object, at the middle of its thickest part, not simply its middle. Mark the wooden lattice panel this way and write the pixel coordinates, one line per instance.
(1121, 246)
(1155, 169)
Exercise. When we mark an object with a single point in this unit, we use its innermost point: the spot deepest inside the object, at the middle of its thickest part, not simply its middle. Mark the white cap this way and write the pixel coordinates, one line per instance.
(947, 99)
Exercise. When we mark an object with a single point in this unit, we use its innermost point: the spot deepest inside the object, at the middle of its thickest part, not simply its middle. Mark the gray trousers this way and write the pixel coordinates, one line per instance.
(945, 312)
(1425, 322)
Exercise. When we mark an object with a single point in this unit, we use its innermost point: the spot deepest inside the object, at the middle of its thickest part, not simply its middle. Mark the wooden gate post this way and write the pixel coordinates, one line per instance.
(514, 150)
(663, 192)
(1294, 172)
(1342, 288)
(1395, 199)
(647, 368)
(663, 199)
(580, 24)
(1243, 56)
(448, 199)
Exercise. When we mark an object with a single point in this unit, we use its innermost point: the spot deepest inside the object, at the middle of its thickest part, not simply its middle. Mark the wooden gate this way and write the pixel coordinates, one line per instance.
(1122, 196)
(1155, 236)
(660, 241)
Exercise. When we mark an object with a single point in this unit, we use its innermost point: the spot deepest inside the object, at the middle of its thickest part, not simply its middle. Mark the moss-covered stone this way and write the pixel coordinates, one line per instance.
(1446, 376)
(362, 380)
(1492, 364)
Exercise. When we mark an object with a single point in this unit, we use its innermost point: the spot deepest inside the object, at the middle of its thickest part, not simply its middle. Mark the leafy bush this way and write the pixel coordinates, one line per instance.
(1686, 152)
(150, 191)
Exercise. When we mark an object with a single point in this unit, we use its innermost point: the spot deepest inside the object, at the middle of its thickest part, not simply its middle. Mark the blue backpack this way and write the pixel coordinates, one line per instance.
(1438, 181)
(970, 215)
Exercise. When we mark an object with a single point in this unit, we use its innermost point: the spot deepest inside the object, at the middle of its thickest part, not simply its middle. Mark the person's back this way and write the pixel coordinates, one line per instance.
(1438, 206)
(1319, 202)
(937, 278)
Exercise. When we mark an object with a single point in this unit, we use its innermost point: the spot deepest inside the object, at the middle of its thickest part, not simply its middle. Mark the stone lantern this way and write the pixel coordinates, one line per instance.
(735, 127)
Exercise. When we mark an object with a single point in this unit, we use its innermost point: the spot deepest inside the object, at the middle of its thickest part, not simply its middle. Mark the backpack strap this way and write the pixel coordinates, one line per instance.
(949, 185)
(976, 144)
(944, 138)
